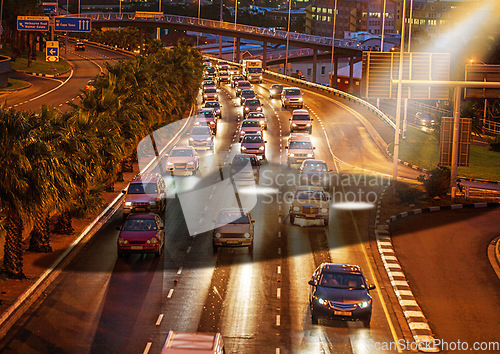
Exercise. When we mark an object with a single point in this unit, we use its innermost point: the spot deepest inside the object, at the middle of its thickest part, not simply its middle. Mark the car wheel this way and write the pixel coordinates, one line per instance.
(310, 131)
(159, 252)
(326, 221)
(215, 247)
(250, 248)
(292, 219)
(314, 318)
(366, 323)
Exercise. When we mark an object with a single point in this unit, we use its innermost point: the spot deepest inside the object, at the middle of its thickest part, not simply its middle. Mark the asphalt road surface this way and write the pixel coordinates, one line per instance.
(258, 300)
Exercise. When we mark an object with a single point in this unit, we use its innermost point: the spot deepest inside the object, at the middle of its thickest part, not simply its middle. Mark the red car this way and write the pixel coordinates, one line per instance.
(141, 233)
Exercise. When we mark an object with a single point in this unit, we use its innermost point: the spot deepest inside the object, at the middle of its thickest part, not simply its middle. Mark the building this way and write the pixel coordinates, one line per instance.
(352, 16)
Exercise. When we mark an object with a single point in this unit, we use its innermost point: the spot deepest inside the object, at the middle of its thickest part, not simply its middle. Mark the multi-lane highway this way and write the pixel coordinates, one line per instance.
(258, 300)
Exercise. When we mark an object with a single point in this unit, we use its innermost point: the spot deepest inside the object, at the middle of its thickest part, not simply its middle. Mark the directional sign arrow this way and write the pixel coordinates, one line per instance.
(52, 51)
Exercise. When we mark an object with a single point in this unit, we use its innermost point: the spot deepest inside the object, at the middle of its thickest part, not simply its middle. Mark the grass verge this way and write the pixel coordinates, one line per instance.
(38, 66)
(422, 149)
(15, 85)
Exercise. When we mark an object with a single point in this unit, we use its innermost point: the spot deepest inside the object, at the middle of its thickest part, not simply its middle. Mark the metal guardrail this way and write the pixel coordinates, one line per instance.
(200, 22)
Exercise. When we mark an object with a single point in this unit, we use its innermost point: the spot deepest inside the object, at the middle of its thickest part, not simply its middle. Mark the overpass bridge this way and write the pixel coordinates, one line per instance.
(343, 48)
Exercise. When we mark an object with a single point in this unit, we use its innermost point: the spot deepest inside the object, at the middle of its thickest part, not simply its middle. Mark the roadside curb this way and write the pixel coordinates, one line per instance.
(494, 255)
(417, 322)
(17, 89)
(419, 326)
(414, 167)
(43, 75)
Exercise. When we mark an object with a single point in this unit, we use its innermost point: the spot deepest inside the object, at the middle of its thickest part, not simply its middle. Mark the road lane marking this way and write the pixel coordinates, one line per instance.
(279, 250)
(217, 292)
(278, 351)
(278, 320)
(188, 250)
(148, 346)
(160, 317)
(170, 292)
(279, 269)
(55, 88)
(279, 234)
(278, 293)
(179, 271)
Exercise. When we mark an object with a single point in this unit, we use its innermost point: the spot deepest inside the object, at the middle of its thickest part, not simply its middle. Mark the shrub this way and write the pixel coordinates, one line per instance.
(495, 144)
(438, 183)
(408, 194)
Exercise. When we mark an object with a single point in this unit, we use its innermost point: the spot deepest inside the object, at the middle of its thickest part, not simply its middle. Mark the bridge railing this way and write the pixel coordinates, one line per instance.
(201, 22)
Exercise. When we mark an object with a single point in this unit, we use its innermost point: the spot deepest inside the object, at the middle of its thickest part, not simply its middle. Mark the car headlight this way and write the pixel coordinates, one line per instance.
(324, 210)
(260, 77)
(242, 132)
(170, 163)
(191, 139)
(190, 163)
(262, 122)
(196, 123)
(308, 124)
(296, 208)
(152, 203)
(310, 155)
(247, 235)
(364, 304)
(217, 235)
(205, 95)
(154, 240)
(322, 301)
(247, 109)
(259, 108)
(273, 92)
(300, 99)
(291, 155)
(294, 125)
(218, 111)
(261, 148)
(128, 203)
(122, 241)
(259, 133)
(243, 148)
(215, 95)
(209, 138)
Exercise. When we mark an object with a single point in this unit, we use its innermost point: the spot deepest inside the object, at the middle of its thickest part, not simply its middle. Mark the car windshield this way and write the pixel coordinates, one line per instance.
(310, 195)
(181, 152)
(277, 88)
(342, 281)
(139, 225)
(208, 82)
(243, 161)
(210, 90)
(233, 218)
(206, 114)
(253, 102)
(252, 139)
(210, 69)
(142, 188)
(292, 92)
(238, 77)
(300, 145)
(223, 72)
(248, 93)
(200, 131)
(314, 167)
(250, 124)
(212, 104)
(301, 117)
(254, 70)
(244, 84)
(255, 115)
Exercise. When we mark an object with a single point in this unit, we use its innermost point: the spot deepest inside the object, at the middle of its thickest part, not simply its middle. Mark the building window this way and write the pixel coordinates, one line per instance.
(324, 18)
(313, 8)
(322, 70)
(324, 10)
(308, 71)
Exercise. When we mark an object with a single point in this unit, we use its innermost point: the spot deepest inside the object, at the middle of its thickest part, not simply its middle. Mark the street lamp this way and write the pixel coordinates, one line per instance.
(198, 33)
(383, 28)
(158, 29)
(287, 37)
(333, 42)
(220, 37)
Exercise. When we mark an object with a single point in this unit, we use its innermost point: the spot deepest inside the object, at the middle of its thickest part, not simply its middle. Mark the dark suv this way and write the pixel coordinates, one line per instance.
(340, 291)
(146, 193)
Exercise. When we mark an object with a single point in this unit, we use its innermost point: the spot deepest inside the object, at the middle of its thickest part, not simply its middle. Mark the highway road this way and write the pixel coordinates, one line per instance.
(259, 300)
(60, 90)
(444, 256)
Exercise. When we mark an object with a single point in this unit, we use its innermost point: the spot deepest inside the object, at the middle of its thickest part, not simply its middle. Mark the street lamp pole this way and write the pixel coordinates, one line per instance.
(158, 29)
(120, 11)
(235, 18)
(398, 103)
(333, 42)
(410, 25)
(383, 27)
(198, 33)
(287, 37)
(1, 26)
(220, 37)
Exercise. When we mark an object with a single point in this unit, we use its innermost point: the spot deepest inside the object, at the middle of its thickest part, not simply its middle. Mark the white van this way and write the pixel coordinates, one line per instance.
(189, 342)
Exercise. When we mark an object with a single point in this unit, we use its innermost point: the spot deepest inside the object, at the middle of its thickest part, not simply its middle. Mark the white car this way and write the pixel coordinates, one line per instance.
(182, 159)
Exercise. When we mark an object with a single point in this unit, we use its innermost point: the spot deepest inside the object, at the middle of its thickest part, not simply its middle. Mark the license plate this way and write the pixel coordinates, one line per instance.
(342, 313)
(232, 242)
(136, 248)
(310, 215)
(140, 209)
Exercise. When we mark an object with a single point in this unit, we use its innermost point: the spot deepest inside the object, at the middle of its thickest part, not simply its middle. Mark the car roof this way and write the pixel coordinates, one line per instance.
(243, 82)
(251, 120)
(294, 138)
(341, 268)
(146, 177)
(182, 147)
(300, 111)
(245, 156)
(206, 109)
(141, 216)
(313, 161)
(291, 88)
